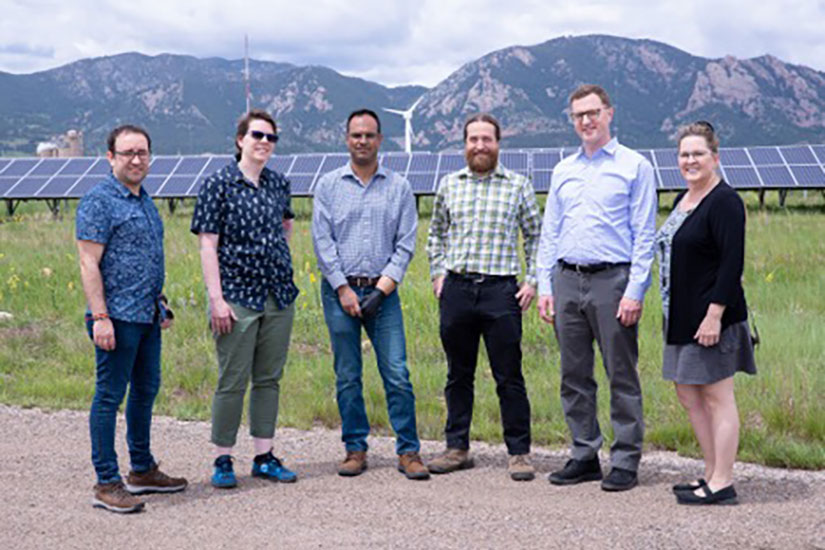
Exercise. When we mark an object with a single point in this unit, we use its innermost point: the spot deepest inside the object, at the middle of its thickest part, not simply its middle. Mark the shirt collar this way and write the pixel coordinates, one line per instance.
(121, 188)
(348, 172)
(610, 148)
(237, 175)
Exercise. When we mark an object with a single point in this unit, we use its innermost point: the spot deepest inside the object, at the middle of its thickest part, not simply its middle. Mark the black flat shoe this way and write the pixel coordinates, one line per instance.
(723, 496)
(692, 486)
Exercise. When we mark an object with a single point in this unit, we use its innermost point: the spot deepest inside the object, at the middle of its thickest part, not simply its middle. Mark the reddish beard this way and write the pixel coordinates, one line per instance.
(481, 162)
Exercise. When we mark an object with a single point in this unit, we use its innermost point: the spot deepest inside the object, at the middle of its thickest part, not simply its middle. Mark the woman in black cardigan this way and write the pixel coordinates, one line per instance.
(701, 249)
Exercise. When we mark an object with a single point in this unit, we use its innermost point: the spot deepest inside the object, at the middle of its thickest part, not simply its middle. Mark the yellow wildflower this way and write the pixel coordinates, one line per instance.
(312, 278)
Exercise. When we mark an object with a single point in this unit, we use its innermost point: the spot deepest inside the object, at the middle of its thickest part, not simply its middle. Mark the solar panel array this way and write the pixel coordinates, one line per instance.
(747, 168)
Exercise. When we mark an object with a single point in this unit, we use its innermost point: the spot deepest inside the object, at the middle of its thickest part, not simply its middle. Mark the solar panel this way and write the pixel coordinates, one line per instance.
(7, 183)
(215, 164)
(191, 165)
(27, 187)
(423, 162)
(546, 160)
(567, 151)
(20, 167)
(152, 183)
(671, 178)
(101, 167)
(819, 151)
(422, 183)
(451, 162)
(798, 155)
(57, 187)
(83, 186)
(763, 156)
(300, 184)
(776, 176)
(734, 157)
(514, 160)
(176, 186)
(280, 163)
(647, 154)
(396, 162)
(3, 164)
(163, 166)
(48, 167)
(331, 162)
(665, 158)
(809, 176)
(541, 180)
(76, 167)
(306, 164)
(742, 177)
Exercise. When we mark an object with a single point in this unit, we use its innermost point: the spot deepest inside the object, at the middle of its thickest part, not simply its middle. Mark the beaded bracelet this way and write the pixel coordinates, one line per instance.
(100, 316)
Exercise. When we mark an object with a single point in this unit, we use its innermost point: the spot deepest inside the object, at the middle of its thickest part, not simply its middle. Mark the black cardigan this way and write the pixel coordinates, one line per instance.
(706, 264)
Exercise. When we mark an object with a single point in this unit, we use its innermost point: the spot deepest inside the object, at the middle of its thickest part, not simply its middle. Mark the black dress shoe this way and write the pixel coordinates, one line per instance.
(692, 486)
(726, 495)
(577, 471)
(620, 479)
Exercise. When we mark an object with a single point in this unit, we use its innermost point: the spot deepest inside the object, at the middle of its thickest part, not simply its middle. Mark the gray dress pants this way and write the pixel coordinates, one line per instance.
(585, 307)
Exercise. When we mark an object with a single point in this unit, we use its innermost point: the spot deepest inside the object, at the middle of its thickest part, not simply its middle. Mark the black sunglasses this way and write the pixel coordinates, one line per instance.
(259, 136)
(706, 124)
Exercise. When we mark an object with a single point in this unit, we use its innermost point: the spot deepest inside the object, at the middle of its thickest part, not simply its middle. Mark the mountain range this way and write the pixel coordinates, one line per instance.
(190, 105)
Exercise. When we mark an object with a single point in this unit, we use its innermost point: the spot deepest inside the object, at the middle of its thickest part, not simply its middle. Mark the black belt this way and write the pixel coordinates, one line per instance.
(591, 268)
(479, 278)
(361, 282)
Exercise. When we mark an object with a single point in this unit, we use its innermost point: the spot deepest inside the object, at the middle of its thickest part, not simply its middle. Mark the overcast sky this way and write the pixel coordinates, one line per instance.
(395, 42)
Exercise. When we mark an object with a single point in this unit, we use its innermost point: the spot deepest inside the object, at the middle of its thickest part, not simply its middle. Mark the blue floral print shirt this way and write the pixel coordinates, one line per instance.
(253, 256)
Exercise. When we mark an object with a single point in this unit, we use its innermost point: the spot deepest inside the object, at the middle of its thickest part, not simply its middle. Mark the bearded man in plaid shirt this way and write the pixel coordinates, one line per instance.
(473, 252)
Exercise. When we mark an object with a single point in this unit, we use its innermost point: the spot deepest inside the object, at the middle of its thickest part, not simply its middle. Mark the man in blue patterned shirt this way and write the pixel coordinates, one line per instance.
(120, 243)
(363, 230)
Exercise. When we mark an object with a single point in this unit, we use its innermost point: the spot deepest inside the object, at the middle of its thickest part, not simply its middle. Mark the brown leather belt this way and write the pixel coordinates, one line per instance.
(361, 282)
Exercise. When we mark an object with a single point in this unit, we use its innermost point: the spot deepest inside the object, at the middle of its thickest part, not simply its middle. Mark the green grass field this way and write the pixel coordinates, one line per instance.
(46, 359)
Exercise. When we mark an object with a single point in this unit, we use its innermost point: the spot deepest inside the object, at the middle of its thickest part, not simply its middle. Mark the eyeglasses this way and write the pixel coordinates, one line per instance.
(143, 155)
(592, 114)
(257, 135)
(369, 136)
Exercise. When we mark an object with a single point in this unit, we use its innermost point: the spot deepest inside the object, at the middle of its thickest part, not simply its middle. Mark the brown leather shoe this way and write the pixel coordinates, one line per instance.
(520, 468)
(115, 498)
(410, 465)
(154, 481)
(354, 464)
(450, 461)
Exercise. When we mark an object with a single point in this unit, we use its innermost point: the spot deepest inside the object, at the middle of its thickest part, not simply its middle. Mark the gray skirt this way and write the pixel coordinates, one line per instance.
(695, 364)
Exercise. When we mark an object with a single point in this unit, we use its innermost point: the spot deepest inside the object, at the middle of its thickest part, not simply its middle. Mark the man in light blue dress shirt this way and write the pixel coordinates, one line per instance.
(363, 230)
(593, 268)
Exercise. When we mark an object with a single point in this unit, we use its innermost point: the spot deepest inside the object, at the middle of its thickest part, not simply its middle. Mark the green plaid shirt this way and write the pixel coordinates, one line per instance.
(475, 224)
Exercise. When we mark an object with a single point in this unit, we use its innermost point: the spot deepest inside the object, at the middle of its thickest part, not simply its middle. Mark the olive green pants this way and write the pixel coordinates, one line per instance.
(257, 349)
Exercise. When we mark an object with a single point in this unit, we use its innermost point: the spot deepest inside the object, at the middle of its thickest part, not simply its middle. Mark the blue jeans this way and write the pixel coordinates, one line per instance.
(135, 362)
(386, 332)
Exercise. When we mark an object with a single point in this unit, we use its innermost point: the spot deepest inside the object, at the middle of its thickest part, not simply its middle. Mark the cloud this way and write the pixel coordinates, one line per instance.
(396, 42)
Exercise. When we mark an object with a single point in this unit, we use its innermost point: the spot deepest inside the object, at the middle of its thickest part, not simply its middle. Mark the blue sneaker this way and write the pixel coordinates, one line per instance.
(224, 475)
(269, 467)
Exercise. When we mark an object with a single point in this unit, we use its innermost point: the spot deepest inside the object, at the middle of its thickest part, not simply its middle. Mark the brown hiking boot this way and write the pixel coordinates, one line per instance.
(410, 465)
(450, 461)
(520, 468)
(153, 481)
(354, 464)
(115, 498)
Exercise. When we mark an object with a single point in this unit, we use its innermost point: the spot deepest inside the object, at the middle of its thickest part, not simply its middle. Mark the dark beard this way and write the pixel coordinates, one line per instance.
(481, 163)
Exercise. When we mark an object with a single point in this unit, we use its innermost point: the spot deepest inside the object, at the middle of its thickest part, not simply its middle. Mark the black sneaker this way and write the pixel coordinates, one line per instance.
(577, 471)
(619, 479)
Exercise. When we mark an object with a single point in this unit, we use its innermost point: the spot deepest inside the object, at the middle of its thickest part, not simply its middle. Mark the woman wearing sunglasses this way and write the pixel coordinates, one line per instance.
(243, 221)
(701, 249)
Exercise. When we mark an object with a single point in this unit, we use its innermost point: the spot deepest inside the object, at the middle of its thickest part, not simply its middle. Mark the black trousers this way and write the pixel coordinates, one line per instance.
(471, 308)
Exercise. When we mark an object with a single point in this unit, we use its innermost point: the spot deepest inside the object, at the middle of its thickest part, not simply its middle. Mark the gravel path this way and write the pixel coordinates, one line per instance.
(47, 479)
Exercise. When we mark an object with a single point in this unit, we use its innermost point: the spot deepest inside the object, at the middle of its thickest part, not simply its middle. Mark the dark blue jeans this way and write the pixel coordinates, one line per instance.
(386, 332)
(135, 362)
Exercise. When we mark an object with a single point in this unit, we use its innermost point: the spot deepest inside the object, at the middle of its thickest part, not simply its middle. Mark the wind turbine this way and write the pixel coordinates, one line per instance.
(408, 131)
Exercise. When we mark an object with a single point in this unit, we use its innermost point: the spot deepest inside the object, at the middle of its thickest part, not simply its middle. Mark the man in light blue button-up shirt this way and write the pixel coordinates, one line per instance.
(593, 269)
(363, 230)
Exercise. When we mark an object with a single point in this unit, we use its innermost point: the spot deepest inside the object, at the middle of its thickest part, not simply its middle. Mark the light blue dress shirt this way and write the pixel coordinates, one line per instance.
(600, 209)
(363, 230)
